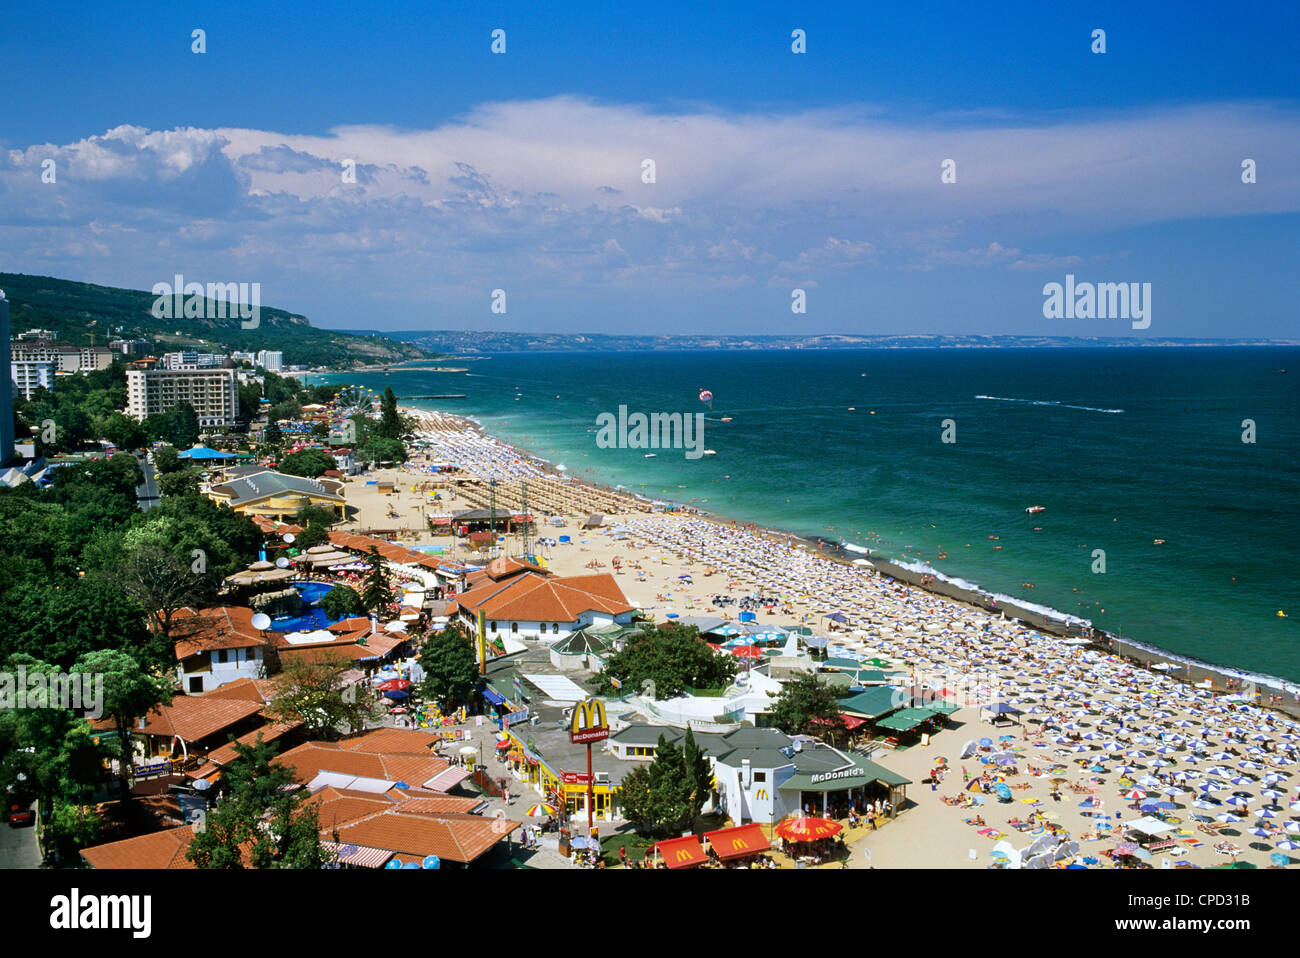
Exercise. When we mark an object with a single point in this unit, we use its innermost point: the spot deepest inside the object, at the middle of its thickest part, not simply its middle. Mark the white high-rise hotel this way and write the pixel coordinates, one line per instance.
(214, 393)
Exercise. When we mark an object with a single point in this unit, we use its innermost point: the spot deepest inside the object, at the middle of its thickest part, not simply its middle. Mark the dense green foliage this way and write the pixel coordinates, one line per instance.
(75, 310)
(81, 409)
(260, 822)
(664, 798)
(672, 657)
(450, 669)
(315, 693)
(307, 462)
(806, 706)
(341, 602)
(378, 591)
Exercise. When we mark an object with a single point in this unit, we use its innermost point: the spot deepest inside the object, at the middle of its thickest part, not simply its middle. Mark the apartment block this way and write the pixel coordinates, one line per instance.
(214, 393)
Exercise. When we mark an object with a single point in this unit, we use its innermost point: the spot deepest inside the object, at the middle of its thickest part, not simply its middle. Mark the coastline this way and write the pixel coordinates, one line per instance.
(1188, 669)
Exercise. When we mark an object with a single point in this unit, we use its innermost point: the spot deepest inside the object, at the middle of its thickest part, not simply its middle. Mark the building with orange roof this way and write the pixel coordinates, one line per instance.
(522, 600)
(157, 850)
(216, 646)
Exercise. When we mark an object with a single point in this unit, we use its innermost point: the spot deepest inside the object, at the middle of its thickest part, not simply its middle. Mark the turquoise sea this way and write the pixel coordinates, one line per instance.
(1121, 447)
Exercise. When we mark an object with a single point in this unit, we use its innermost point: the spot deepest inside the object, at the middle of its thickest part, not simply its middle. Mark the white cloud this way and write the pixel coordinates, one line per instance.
(549, 192)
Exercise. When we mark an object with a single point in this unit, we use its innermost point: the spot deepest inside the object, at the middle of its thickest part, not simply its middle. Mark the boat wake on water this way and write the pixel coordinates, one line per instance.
(1048, 402)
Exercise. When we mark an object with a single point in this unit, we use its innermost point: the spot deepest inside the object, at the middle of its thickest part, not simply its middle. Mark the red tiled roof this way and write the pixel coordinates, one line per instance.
(191, 718)
(221, 627)
(248, 690)
(312, 758)
(391, 741)
(457, 838)
(389, 550)
(165, 849)
(227, 754)
(535, 598)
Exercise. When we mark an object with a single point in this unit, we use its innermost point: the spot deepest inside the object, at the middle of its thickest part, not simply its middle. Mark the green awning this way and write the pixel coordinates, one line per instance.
(874, 702)
(945, 709)
(897, 724)
(917, 714)
(865, 773)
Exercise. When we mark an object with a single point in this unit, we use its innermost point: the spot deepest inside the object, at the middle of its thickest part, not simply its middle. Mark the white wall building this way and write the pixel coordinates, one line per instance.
(214, 393)
(272, 360)
(30, 375)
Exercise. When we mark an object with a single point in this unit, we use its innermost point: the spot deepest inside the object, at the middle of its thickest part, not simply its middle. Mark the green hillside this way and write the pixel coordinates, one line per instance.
(76, 310)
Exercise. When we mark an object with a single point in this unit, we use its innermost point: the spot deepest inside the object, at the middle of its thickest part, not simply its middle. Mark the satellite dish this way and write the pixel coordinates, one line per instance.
(282, 563)
(288, 538)
(261, 621)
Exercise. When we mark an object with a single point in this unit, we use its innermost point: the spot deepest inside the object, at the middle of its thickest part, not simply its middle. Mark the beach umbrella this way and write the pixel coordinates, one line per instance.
(540, 810)
(431, 861)
(1266, 813)
(1227, 817)
(1288, 845)
(1261, 832)
(806, 829)
(1239, 800)
(1292, 827)
(1279, 859)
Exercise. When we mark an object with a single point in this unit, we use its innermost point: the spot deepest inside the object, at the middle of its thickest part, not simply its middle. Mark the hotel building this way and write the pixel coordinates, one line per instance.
(213, 393)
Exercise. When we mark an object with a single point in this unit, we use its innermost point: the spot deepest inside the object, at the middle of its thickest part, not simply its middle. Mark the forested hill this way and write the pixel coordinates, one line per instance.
(74, 311)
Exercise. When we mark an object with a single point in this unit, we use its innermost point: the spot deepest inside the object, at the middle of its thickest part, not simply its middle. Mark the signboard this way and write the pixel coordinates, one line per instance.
(852, 772)
(615, 682)
(575, 778)
(512, 717)
(154, 768)
(588, 723)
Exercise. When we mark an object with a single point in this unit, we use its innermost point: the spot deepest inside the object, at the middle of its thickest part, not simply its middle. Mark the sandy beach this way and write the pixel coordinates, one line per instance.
(1106, 735)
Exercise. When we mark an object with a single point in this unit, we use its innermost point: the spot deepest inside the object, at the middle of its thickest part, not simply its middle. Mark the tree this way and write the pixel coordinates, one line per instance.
(341, 601)
(49, 752)
(166, 459)
(178, 426)
(672, 657)
(178, 484)
(261, 821)
(450, 669)
(307, 462)
(806, 706)
(162, 578)
(656, 798)
(130, 692)
(378, 592)
(379, 449)
(124, 432)
(313, 691)
(316, 522)
(390, 420)
(272, 435)
(699, 776)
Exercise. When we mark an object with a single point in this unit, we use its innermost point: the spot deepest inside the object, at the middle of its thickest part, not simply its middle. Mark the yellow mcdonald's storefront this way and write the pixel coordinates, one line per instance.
(566, 789)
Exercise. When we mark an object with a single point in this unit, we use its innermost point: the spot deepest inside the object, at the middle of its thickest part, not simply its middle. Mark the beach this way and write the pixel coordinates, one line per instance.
(1113, 735)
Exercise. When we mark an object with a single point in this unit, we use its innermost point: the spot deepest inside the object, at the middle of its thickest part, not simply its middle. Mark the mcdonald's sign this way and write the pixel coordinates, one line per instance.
(760, 793)
(685, 855)
(588, 723)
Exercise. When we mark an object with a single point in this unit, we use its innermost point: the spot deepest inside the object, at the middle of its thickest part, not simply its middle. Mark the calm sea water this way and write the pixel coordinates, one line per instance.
(1122, 447)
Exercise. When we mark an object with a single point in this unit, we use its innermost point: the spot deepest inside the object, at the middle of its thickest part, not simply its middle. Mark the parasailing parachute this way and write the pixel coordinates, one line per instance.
(706, 396)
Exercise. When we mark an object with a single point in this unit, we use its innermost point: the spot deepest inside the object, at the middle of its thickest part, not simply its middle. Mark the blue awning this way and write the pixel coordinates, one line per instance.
(492, 696)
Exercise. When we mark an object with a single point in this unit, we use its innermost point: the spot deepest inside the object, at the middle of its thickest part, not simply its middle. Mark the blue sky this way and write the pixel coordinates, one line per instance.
(773, 170)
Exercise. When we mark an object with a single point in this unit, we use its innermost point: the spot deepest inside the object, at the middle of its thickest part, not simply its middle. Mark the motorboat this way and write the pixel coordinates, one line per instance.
(1034, 510)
